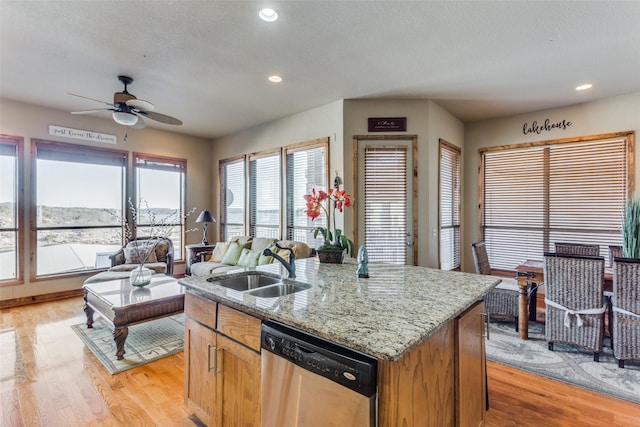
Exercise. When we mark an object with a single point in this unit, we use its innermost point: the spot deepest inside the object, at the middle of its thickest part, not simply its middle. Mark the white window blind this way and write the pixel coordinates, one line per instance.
(569, 192)
(264, 194)
(232, 195)
(449, 207)
(306, 170)
(385, 204)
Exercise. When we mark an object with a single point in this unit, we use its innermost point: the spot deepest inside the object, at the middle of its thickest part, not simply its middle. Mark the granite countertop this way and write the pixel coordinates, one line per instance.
(384, 316)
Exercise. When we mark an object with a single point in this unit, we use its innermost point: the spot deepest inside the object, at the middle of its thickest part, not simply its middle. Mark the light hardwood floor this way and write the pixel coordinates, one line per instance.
(65, 385)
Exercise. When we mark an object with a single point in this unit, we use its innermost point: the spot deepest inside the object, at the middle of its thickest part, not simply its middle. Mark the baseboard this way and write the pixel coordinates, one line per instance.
(41, 298)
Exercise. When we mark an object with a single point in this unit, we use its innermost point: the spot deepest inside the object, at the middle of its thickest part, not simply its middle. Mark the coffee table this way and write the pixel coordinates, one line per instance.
(123, 305)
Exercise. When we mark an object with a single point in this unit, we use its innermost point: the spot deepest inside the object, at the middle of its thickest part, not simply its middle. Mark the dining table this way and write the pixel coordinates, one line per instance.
(532, 271)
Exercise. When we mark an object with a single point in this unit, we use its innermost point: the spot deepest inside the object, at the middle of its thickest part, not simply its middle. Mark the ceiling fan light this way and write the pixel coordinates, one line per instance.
(126, 119)
(139, 124)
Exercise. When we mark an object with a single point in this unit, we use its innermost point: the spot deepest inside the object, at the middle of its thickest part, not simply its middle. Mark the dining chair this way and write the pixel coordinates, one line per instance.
(503, 299)
(574, 301)
(626, 309)
(577, 249)
(614, 252)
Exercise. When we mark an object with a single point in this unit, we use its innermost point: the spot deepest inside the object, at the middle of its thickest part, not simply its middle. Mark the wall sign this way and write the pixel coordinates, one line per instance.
(82, 134)
(547, 126)
(387, 124)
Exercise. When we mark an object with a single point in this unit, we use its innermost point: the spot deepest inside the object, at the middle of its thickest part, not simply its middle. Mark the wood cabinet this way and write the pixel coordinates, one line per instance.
(222, 363)
(441, 381)
(471, 379)
(199, 374)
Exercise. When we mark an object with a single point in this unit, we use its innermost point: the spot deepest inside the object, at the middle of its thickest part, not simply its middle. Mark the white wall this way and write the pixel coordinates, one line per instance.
(28, 121)
(429, 122)
(321, 122)
(615, 114)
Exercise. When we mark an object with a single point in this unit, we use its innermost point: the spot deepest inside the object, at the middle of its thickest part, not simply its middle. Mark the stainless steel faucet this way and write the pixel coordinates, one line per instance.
(290, 266)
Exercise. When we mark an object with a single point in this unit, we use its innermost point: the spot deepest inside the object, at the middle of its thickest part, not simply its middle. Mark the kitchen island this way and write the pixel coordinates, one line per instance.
(411, 319)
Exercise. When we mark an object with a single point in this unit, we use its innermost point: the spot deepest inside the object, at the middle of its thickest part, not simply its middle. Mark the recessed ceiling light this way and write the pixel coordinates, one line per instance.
(268, 15)
(584, 86)
(275, 79)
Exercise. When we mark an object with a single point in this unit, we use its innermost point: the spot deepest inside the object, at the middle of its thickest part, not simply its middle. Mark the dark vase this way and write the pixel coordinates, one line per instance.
(331, 256)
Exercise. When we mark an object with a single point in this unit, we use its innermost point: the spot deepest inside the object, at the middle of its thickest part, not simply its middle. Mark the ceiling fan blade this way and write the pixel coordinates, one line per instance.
(99, 110)
(161, 118)
(140, 104)
(91, 99)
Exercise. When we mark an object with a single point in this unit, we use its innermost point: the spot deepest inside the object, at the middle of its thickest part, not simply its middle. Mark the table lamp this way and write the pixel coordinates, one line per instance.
(206, 217)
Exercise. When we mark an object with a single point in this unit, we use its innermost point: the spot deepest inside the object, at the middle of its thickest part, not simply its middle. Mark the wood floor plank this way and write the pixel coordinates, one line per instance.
(67, 385)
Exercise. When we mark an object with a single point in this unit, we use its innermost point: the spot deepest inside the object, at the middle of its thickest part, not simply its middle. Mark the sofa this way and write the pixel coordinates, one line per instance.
(246, 251)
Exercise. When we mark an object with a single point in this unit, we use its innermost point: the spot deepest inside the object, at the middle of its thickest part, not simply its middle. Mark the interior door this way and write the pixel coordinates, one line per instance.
(386, 198)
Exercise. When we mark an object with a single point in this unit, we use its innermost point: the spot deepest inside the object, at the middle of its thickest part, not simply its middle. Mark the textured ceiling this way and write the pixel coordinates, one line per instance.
(206, 62)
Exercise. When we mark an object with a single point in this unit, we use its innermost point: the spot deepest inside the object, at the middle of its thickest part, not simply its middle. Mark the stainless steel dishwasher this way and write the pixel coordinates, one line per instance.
(310, 382)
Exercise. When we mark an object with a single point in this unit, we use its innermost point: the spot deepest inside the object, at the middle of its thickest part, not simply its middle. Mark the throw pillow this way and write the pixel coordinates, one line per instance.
(261, 243)
(135, 253)
(284, 253)
(219, 251)
(264, 260)
(248, 258)
(232, 255)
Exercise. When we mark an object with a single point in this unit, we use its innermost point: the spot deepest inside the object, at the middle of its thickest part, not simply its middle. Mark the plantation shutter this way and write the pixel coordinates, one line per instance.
(306, 170)
(569, 192)
(385, 203)
(449, 207)
(264, 193)
(232, 199)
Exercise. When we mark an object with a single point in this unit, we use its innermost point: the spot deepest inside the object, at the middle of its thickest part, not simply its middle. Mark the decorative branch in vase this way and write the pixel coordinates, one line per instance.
(143, 251)
(334, 240)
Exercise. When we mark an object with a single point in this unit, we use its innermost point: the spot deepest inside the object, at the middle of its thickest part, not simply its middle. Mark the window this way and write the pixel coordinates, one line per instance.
(264, 195)
(77, 207)
(306, 166)
(10, 210)
(449, 206)
(232, 198)
(568, 191)
(160, 191)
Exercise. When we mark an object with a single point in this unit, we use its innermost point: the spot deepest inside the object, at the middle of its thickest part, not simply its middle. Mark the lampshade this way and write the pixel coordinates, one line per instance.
(205, 216)
(123, 118)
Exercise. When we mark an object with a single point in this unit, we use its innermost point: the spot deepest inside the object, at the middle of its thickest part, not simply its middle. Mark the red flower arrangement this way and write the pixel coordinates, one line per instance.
(337, 199)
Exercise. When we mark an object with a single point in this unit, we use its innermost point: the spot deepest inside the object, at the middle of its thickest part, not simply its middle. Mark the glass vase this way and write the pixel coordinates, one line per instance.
(140, 276)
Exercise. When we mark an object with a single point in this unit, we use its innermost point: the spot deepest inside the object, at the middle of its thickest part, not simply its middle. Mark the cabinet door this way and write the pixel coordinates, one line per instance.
(238, 384)
(199, 370)
(471, 381)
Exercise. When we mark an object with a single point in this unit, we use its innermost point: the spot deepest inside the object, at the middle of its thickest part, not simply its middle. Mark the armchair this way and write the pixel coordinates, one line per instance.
(161, 263)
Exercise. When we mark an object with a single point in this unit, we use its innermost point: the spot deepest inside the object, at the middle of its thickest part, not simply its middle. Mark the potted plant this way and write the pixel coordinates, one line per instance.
(335, 243)
(631, 229)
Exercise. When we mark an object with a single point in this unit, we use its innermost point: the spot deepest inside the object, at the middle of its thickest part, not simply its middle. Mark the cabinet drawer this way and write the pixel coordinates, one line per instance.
(200, 309)
(239, 326)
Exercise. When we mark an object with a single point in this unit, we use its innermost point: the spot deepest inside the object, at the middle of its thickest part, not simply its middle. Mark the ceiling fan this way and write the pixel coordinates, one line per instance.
(128, 110)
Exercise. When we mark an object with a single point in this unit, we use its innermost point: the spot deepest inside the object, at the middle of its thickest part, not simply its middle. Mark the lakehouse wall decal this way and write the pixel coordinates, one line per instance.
(546, 126)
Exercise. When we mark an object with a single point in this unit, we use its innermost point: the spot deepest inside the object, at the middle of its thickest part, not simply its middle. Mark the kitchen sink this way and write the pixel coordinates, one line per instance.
(278, 290)
(245, 282)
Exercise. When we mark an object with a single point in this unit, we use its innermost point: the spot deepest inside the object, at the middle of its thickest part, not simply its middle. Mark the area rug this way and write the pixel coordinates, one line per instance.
(145, 343)
(566, 363)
